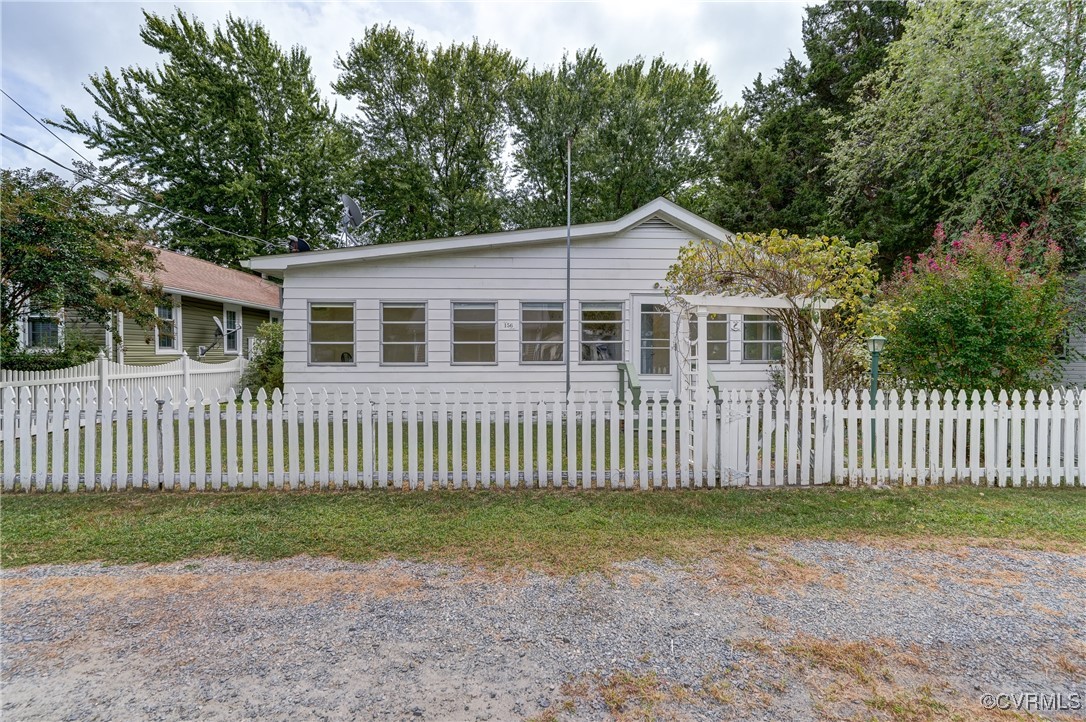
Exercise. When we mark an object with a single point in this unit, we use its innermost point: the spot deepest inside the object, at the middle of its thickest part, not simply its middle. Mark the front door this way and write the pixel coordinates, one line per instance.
(653, 352)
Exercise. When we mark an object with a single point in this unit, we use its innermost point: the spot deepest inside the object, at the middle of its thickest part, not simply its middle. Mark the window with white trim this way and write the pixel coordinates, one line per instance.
(542, 332)
(168, 334)
(43, 330)
(231, 326)
(403, 333)
(331, 333)
(717, 344)
(601, 332)
(474, 333)
(762, 339)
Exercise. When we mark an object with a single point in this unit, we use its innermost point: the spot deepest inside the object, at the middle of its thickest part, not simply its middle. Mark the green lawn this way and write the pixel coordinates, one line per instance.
(550, 530)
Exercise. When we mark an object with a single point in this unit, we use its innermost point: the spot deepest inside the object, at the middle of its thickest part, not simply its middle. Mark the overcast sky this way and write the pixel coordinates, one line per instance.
(49, 48)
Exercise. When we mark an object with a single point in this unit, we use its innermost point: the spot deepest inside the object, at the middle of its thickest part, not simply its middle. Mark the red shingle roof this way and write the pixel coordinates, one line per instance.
(187, 274)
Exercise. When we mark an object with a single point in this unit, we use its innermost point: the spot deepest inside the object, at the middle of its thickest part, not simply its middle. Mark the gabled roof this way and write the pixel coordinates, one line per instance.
(190, 276)
(660, 208)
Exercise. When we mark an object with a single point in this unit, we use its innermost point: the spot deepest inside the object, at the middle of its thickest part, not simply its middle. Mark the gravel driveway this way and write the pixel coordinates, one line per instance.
(775, 631)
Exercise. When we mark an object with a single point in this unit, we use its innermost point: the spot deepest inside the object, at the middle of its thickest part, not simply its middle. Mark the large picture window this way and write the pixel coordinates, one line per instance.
(542, 328)
(601, 332)
(474, 333)
(761, 339)
(403, 333)
(331, 333)
(717, 344)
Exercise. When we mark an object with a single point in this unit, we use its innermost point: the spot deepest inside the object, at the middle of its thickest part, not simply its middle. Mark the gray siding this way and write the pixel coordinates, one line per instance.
(613, 269)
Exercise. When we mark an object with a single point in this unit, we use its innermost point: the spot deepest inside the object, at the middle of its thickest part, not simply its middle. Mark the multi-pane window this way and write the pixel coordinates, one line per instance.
(42, 331)
(542, 331)
(403, 333)
(601, 332)
(474, 333)
(231, 321)
(331, 333)
(761, 339)
(717, 343)
(167, 336)
(655, 339)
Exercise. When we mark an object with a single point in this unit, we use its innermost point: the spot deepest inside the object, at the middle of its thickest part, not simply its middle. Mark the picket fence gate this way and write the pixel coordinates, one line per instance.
(319, 440)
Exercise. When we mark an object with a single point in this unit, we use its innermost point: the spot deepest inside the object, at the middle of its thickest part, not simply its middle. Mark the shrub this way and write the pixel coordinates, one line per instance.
(980, 312)
(265, 368)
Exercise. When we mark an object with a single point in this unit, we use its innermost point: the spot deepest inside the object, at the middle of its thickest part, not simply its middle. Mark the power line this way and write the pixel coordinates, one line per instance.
(47, 128)
(122, 194)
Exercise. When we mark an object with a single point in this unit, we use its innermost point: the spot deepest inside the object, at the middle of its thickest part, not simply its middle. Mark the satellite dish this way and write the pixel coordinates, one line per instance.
(297, 245)
(352, 219)
(219, 330)
(352, 214)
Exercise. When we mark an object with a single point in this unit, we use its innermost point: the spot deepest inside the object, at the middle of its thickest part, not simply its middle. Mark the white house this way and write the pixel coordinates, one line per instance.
(486, 312)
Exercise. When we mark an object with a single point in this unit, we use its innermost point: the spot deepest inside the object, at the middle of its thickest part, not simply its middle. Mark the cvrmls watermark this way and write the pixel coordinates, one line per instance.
(1035, 702)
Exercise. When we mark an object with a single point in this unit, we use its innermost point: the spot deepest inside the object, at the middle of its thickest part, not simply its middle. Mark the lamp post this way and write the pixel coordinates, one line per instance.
(875, 345)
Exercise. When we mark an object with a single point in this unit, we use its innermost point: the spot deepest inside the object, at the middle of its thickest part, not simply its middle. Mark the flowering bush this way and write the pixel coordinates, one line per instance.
(978, 312)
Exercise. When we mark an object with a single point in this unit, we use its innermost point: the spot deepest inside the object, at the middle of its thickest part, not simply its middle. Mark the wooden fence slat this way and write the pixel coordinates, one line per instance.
(199, 440)
(166, 452)
(184, 459)
(262, 438)
(324, 460)
(41, 425)
(123, 446)
(105, 451)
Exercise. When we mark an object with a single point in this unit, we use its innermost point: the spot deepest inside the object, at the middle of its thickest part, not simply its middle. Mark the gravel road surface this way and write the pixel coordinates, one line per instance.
(771, 631)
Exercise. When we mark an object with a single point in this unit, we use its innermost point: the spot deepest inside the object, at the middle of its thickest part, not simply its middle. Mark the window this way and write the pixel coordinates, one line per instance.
(717, 346)
(231, 326)
(761, 339)
(331, 333)
(42, 330)
(474, 333)
(168, 335)
(542, 332)
(601, 332)
(655, 340)
(403, 333)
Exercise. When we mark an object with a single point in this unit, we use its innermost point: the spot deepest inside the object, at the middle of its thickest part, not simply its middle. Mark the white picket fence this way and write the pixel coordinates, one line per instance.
(102, 374)
(590, 440)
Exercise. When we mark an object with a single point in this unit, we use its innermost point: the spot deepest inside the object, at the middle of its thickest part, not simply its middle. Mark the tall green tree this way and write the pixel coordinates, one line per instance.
(230, 130)
(769, 154)
(639, 131)
(431, 126)
(976, 115)
(65, 247)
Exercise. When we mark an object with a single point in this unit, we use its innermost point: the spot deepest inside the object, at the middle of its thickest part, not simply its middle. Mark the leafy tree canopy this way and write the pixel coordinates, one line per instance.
(976, 115)
(639, 131)
(230, 130)
(64, 248)
(431, 126)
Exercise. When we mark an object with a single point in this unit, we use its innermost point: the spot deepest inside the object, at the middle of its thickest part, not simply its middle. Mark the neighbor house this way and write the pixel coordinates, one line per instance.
(486, 312)
(201, 297)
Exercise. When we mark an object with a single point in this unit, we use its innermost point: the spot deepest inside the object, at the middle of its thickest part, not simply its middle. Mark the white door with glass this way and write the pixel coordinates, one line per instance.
(653, 347)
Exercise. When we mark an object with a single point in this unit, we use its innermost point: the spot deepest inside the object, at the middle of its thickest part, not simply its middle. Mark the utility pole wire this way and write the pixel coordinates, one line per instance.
(122, 194)
(47, 128)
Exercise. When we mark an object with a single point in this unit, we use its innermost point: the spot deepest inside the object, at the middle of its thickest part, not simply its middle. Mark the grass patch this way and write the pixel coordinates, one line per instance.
(562, 532)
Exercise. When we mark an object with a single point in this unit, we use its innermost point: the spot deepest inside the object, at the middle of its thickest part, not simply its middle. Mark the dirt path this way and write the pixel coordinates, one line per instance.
(790, 631)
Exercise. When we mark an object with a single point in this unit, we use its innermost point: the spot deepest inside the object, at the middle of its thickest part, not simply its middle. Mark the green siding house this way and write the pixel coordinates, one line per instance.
(212, 316)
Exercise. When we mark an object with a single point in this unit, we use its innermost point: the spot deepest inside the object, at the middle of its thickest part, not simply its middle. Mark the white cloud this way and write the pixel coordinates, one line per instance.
(49, 49)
